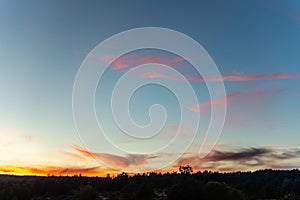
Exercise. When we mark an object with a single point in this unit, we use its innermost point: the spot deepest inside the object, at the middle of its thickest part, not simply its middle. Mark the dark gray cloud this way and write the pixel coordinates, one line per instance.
(243, 154)
(245, 159)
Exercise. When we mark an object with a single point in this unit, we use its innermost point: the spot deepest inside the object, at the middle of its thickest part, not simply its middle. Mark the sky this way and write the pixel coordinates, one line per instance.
(254, 44)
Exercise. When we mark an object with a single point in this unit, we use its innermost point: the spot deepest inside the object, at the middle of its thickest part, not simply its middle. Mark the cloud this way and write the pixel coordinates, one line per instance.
(243, 154)
(183, 132)
(242, 77)
(246, 110)
(116, 160)
(245, 159)
(229, 99)
(6, 142)
(229, 78)
(73, 156)
(18, 133)
(9, 137)
(242, 159)
(150, 75)
(233, 99)
(173, 127)
(130, 60)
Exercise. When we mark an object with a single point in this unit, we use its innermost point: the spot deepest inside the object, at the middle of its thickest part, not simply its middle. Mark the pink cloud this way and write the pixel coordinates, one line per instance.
(131, 60)
(251, 110)
(173, 127)
(241, 77)
(126, 61)
(150, 75)
(259, 77)
(183, 133)
(230, 99)
(228, 78)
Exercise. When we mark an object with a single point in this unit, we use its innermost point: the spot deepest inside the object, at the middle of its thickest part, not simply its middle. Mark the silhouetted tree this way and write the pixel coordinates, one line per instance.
(262, 184)
(186, 169)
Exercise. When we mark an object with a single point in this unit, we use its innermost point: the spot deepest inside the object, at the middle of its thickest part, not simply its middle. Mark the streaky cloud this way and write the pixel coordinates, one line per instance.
(116, 160)
(245, 159)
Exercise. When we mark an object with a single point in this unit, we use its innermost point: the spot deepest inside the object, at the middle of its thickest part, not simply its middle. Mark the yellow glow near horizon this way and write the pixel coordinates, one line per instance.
(55, 171)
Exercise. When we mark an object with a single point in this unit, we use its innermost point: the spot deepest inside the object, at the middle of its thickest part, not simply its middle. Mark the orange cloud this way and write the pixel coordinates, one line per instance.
(74, 156)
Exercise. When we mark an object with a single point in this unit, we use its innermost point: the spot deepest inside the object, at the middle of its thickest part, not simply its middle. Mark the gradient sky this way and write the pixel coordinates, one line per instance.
(255, 44)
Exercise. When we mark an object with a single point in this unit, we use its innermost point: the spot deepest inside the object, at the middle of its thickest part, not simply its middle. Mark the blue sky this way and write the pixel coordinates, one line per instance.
(42, 45)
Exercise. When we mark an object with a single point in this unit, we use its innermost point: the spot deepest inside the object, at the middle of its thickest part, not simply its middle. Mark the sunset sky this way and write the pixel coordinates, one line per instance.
(256, 47)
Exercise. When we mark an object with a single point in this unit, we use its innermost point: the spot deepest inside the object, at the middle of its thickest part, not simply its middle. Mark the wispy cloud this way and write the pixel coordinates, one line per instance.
(130, 60)
(251, 158)
(236, 76)
(243, 154)
(18, 133)
(229, 99)
(116, 160)
(9, 137)
(228, 78)
(183, 132)
(73, 156)
(6, 142)
(241, 77)
(232, 99)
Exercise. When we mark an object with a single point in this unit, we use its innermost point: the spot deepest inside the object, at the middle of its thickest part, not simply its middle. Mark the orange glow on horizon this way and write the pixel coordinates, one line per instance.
(55, 171)
(43, 170)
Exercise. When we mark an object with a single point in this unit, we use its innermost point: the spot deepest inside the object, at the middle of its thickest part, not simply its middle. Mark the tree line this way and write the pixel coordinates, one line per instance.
(206, 185)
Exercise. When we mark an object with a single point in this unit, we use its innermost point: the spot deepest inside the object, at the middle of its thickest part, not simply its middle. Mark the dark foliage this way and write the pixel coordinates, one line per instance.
(264, 184)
